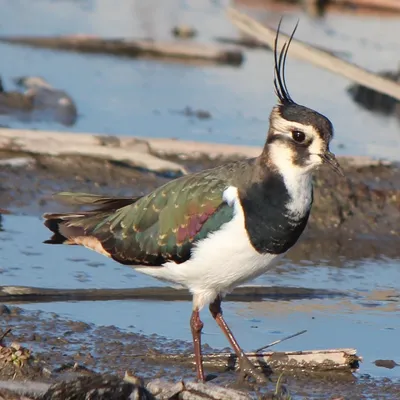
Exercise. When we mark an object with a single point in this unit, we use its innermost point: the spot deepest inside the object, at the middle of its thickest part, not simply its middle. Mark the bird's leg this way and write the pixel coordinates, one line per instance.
(245, 365)
(196, 326)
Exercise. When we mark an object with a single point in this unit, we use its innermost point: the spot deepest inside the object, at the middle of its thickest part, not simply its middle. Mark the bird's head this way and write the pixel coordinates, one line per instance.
(298, 136)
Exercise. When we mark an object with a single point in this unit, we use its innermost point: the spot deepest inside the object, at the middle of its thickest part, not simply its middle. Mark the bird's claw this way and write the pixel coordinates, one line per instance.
(248, 368)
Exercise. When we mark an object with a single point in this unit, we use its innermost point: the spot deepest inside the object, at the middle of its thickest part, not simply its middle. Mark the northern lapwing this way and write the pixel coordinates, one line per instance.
(216, 229)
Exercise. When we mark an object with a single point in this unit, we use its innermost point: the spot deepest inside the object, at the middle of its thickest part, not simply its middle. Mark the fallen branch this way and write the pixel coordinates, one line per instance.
(28, 294)
(315, 56)
(341, 360)
(188, 51)
(136, 153)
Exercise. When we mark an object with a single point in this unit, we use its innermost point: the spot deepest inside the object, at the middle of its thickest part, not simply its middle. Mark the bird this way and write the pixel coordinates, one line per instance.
(213, 230)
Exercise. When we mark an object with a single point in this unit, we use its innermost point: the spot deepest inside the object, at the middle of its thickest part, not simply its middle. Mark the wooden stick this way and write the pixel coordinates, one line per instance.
(315, 56)
(188, 51)
(27, 294)
(279, 341)
(341, 360)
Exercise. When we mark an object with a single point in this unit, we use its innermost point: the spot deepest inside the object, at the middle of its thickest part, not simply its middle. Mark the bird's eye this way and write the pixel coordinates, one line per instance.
(298, 136)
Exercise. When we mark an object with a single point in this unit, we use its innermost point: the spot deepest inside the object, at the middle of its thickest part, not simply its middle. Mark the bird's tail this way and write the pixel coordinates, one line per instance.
(77, 228)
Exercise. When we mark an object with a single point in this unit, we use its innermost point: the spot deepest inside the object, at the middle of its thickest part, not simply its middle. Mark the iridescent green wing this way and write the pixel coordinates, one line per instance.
(164, 225)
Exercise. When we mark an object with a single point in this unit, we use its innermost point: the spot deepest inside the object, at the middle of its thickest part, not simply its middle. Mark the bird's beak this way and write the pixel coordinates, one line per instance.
(330, 159)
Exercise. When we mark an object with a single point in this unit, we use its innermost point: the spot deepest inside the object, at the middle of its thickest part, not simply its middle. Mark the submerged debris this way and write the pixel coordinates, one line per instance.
(389, 364)
(374, 100)
(40, 101)
(199, 114)
(184, 31)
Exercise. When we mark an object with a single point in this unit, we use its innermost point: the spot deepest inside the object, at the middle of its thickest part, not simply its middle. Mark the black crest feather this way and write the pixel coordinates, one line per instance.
(281, 89)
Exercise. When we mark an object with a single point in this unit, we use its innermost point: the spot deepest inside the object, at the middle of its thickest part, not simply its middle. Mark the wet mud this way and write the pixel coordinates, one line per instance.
(62, 349)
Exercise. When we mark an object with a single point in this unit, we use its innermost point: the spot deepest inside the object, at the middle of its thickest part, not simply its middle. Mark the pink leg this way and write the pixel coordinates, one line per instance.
(245, 365)
(196, 326)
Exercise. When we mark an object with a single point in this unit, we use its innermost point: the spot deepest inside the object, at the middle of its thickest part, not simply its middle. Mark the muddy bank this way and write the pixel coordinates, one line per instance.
(63, 349)
(365, 204)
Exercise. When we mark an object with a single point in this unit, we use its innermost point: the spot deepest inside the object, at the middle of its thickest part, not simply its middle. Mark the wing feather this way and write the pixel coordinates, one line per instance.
(151, 230)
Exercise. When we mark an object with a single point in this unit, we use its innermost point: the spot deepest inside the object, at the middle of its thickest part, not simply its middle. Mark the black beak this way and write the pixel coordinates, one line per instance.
(330, 159)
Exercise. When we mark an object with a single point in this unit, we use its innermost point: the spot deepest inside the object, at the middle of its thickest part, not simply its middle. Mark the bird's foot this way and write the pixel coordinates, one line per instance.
(249, 369)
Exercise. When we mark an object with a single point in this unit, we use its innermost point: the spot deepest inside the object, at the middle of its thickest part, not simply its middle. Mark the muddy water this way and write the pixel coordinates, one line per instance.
(139, 97)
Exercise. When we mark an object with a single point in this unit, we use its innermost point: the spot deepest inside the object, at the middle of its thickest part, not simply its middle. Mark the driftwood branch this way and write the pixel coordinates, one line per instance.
(136, 153)
(344, 360)
(26, 294)
(187, 51)
(315, 56)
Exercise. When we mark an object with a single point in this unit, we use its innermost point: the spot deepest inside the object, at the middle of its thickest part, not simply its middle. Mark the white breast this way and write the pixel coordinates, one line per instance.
(220, 262)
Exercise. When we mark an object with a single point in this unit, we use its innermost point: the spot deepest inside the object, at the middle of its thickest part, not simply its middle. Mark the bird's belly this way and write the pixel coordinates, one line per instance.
(218, 264)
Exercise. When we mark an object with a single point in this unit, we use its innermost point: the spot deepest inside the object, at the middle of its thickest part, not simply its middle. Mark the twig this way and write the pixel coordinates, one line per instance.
(280, 341)
(315, 56)
(5, 334)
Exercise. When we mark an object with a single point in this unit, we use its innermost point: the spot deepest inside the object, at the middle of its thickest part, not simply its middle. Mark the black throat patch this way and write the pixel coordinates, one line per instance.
(268, 225)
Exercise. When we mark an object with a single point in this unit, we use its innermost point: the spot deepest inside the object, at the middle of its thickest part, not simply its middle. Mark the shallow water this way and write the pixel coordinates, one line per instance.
(368, 319)
(140, 97)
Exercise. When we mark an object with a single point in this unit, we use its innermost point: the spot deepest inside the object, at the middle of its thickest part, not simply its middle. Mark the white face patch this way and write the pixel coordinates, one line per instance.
(282, 155)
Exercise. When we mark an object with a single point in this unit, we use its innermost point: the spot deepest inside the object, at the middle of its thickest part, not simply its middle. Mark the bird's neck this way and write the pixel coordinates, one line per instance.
(297, 179)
